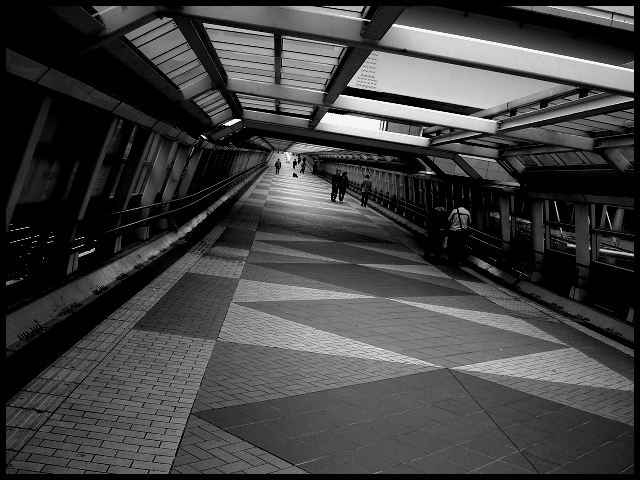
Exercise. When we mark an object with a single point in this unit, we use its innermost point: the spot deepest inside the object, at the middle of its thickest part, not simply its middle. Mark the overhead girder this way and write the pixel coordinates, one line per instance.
(119, 21)
(204, 50)
(381, 19)
(380, 109)
(425, 44)
(338, 140)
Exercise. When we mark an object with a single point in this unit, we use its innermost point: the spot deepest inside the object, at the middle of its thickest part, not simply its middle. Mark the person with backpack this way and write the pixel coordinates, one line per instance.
(278, 165)
(459, 220)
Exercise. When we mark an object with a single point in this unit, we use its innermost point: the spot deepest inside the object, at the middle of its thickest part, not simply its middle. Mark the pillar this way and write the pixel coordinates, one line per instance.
(583, 257)
(161, 157)
(22, 168)
(505, 223)
(538, 237)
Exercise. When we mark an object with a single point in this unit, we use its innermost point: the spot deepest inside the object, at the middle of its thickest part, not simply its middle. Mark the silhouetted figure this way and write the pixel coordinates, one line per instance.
(278, 165)
(335, 179)
(366, 190)
(343, 183)
(437, 228)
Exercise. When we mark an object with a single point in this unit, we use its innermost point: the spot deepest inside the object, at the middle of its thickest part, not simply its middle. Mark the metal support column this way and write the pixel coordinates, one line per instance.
(505, 224)
(25, 160)
(172, 182)
(164, 153)
(537, 236)
(79, 195)
(583, 258)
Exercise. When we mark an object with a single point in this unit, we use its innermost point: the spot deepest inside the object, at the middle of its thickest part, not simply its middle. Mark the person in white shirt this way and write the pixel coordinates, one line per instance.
(459, 220)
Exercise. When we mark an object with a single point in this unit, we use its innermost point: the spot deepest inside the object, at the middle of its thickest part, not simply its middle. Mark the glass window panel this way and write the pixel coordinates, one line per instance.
(178, 61)
(598, 127)
(229, 47)
(295, 64)
(570, 131)
(296, 83)
(575, 126)
(296, 107)
(594, 158)
(299, 44)
(304, 78)
(162, 44)
(266, 75)
(183, 68)
(294, 110)
(245, 66)
(625, 115)
(185, 77)
(303, 57)
(256, 78)
(215, 106)
(172, 53)
(568, 158)
(237, 38)
(217, 110)
(545, 159)
(213, 102)
(609, 120)
(207, 97)
(244, 57)
(195, 79)
(152, 30)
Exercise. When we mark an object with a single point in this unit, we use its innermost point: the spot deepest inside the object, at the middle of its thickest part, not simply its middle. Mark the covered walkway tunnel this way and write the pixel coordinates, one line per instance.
(175, 306)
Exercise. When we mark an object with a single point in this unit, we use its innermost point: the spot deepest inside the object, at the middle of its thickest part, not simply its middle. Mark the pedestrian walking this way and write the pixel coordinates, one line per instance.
(459, 220)
(278, 165)
(343, 183)
(365, 187)
(294, 164)
(335, 180)
(303, 167)
(437, 229)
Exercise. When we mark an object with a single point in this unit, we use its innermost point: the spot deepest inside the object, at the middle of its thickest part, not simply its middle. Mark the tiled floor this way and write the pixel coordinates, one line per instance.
(307, 336)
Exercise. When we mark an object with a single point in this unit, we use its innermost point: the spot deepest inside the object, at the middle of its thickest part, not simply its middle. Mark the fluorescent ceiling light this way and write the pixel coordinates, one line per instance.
(233, 121)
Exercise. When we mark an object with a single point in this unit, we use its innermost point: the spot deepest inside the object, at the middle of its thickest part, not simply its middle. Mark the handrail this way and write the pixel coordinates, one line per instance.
(220, 185)
(167, 202)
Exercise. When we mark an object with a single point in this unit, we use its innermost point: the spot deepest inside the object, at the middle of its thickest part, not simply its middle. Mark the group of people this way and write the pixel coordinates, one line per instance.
(303, 165)
(447, 230)
(339, 184)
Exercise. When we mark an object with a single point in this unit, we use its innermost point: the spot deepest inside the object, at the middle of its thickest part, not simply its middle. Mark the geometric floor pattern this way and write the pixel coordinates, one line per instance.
(309, 336)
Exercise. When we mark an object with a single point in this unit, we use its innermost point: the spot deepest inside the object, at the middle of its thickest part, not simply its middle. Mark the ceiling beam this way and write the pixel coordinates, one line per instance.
(466, 168)
(200, 43)
(599, 104)
(413, 114)
(340, 140)
(618, 161)
(424, 44)
(119, 21)
(616, 141)
(381, 19)
(220, 134)
(277, 64)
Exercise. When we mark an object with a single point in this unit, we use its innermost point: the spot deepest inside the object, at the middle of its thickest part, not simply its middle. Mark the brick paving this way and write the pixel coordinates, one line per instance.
(308, 336)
